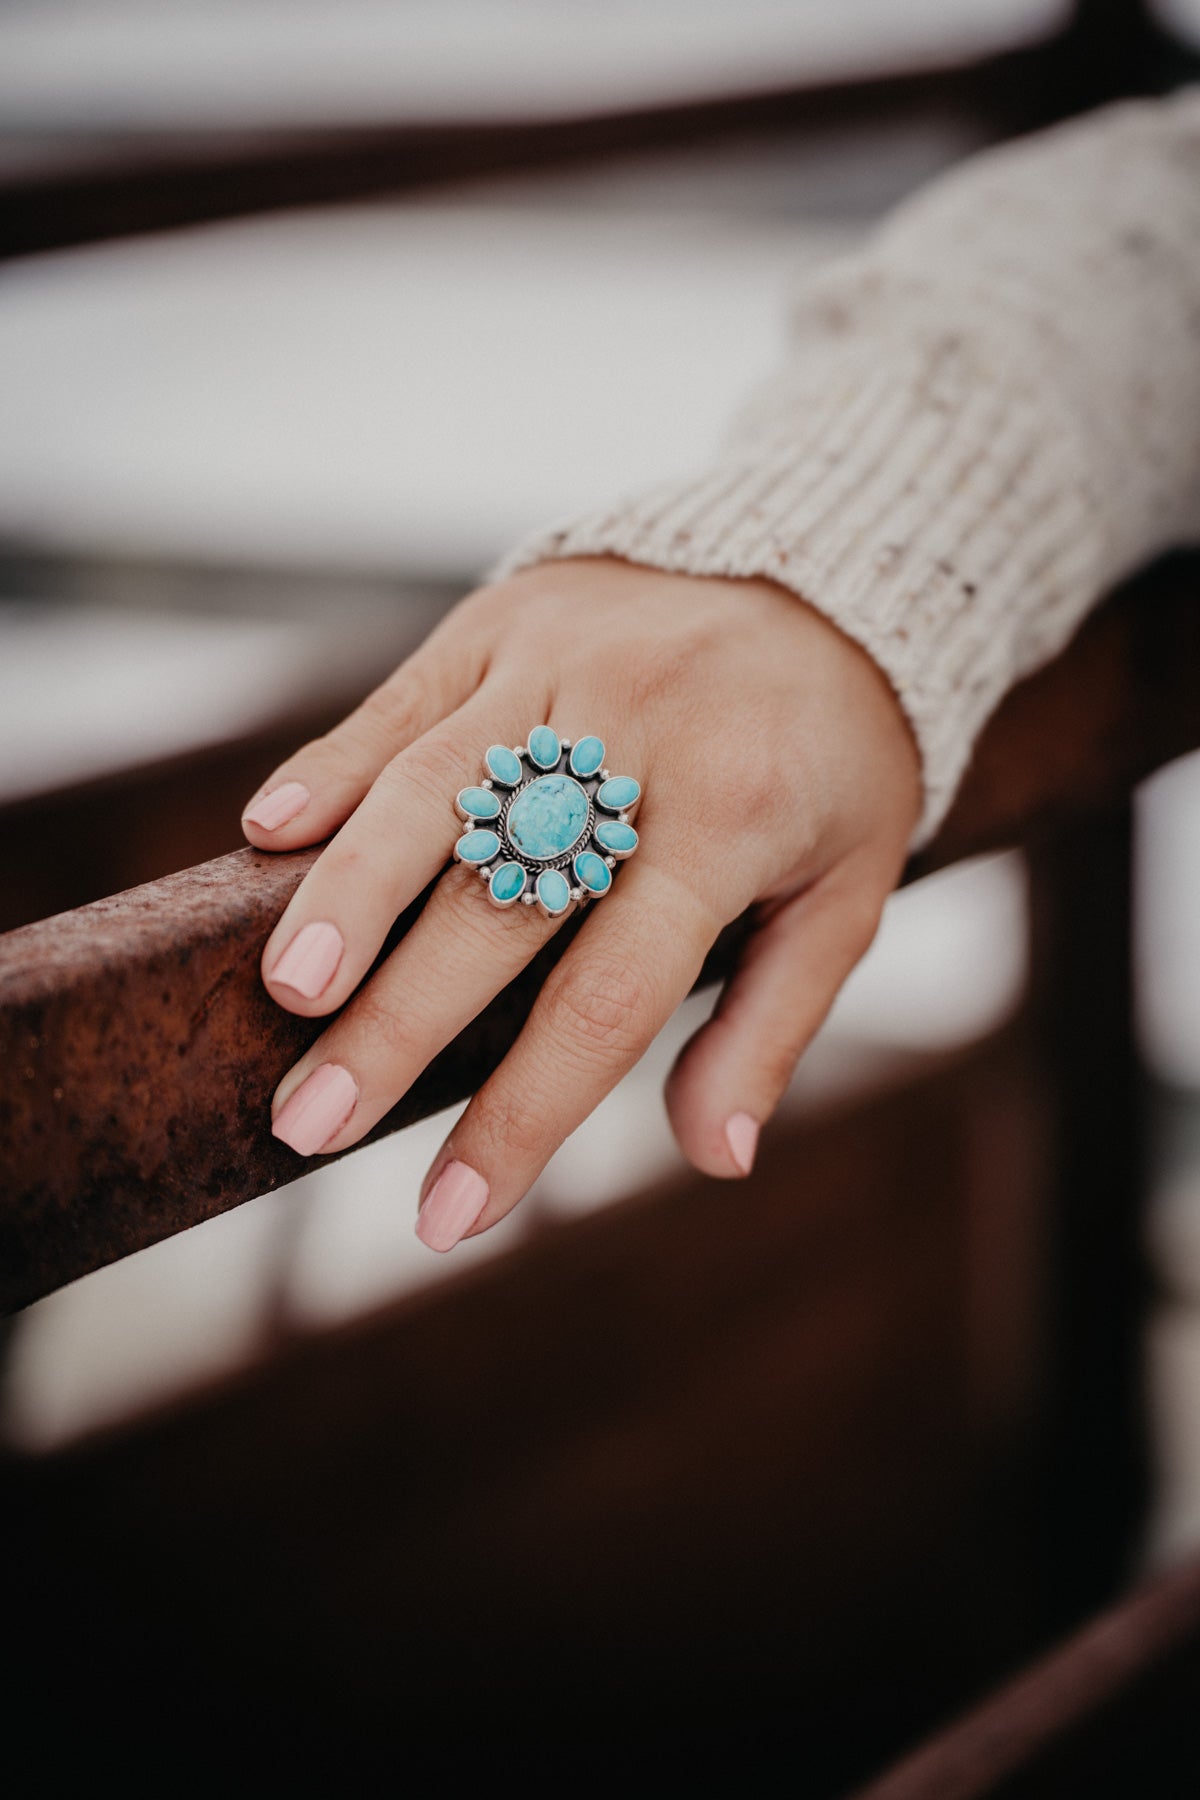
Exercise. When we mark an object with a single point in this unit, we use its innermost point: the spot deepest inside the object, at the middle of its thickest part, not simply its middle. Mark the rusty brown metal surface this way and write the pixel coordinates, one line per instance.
(138, 1053)
(138, 1049)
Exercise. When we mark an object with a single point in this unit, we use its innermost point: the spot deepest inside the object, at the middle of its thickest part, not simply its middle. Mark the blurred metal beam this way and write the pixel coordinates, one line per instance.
(1054, 1730)
(61, 190)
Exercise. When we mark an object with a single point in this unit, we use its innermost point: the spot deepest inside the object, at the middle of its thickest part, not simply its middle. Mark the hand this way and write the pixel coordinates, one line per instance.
(778, 772)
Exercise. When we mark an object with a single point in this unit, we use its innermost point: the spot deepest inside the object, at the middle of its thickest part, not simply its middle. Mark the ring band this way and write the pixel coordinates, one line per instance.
(547, 824)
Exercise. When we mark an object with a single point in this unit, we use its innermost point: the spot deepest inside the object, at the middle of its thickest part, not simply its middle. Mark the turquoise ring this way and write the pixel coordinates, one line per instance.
(546, 825)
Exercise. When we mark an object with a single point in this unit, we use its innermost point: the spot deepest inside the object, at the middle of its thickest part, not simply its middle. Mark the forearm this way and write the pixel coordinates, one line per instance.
(986, 417)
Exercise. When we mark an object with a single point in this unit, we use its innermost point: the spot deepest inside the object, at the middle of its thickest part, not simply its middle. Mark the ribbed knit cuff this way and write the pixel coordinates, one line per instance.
(925, 500)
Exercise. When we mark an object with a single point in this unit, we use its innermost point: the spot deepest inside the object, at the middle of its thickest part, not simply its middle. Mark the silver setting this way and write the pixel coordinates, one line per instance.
(507, 851)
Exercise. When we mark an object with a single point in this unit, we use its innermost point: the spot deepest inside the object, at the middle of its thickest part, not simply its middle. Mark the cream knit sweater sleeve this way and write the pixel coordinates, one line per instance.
(986, 417)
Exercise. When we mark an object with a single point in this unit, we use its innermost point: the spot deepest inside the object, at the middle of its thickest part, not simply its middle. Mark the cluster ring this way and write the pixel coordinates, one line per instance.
(547, 824)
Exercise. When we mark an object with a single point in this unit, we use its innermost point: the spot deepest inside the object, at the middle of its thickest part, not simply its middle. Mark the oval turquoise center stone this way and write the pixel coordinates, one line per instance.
(547, 818)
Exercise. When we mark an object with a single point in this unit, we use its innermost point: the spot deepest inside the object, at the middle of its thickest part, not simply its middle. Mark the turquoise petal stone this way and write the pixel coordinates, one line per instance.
(503, 766)
(592, 872)
(544, 747)
(617, 839)
(507, 883)
(477, 846)
(586, 756)
(479, 803)
(552, 891)
(548, 817)
(617, 793)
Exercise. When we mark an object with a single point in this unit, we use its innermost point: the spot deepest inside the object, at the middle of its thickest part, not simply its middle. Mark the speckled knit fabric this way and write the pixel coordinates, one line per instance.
(987, 416)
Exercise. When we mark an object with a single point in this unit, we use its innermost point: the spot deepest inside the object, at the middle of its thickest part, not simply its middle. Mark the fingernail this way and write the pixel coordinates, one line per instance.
(319, 1107)
(278, 807)
(452, 1205)
(310, 961)
(741, 1134)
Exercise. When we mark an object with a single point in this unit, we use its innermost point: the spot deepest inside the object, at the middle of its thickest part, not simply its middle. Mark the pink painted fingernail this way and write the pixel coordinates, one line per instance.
(319, 1107)
(741, 1134)
(279, 807)
(452, 1205)
(310, 961)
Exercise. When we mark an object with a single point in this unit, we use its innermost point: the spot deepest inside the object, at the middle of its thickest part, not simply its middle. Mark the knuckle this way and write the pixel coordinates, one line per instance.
(506, 1124)
(398, 706)
(666, 674)
(675, 668)
(778, 1057)
(747, 796)
(384, 1031)
(604, 1006)
(345, 752)
(433, 767)
(471, 934)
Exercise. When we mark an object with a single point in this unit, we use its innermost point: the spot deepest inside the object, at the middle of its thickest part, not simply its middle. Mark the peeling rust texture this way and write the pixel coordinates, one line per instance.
(139, 1049)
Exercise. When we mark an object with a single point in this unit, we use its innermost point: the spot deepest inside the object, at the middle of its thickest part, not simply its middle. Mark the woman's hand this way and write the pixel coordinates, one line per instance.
(778, 773)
